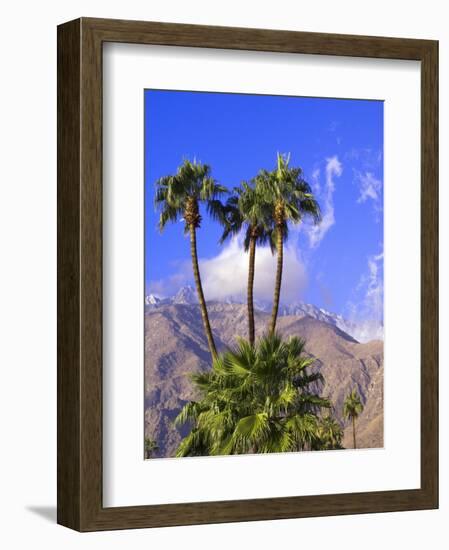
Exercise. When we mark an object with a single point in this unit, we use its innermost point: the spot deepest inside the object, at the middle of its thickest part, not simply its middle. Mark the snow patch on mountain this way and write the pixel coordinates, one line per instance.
(152, 300)
(363, 332)
(185, 295)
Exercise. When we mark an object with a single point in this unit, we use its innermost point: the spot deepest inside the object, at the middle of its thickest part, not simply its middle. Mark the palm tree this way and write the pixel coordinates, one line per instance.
(292, 199)
(178, 197)
(246, 209)
(256, 399)
(352, 407)
(330, 433)
(150, 447)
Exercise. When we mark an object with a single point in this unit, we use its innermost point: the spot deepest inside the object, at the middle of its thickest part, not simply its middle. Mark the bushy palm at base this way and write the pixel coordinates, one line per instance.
(256, 399)
(330, 434)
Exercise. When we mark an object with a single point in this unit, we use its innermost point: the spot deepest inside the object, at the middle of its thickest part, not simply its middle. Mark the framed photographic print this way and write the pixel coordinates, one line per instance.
(247, 274)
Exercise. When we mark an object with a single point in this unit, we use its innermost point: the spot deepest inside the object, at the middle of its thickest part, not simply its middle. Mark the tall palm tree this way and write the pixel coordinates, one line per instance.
(150, 447)
(179, 196)
(256, 399)
(292, 199)
(247, 209)
(352, 407)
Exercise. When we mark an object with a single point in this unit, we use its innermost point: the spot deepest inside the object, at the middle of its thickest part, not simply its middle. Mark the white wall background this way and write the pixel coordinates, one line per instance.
(28, 272)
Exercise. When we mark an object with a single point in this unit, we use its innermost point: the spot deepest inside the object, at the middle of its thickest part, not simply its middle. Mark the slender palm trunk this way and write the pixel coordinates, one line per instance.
(250, 291)
(353, 431)
(199, 289)
(277, 286)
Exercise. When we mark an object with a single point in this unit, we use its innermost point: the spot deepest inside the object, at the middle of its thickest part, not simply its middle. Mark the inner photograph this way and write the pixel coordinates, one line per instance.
(263, 299)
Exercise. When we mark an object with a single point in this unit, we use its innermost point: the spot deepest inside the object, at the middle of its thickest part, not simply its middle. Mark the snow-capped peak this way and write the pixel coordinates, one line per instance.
(185, 295)
(152, 300)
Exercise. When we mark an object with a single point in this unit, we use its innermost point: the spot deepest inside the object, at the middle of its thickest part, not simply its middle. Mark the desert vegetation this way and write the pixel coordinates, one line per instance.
(258, 399)
(150, 447)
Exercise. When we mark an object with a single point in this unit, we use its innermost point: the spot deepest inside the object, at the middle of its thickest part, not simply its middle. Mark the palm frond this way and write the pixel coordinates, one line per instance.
(189, 412)
(257, 398)
(352, 405)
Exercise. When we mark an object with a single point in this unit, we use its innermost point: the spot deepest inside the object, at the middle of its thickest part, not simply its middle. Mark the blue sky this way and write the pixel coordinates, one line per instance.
(339, 145)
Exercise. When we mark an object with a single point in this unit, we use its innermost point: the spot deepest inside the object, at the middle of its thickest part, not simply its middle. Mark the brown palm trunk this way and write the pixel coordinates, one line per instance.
(199, 289)
(250, 291)
(353, 431)
(277, 286)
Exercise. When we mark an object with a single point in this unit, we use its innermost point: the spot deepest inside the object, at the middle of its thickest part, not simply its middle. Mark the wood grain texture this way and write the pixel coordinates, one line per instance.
(80, 274)
(429, 271)
(69, 408)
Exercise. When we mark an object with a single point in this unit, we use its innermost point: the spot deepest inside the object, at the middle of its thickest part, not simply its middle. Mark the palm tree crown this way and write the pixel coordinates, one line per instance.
(246, 209)
(291, 199)
(255, 399)
(179, 196)
(352, 407)
(289, 193)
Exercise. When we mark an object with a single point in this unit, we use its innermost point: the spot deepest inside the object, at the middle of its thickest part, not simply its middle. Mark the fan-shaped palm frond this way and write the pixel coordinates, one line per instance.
(256, 399)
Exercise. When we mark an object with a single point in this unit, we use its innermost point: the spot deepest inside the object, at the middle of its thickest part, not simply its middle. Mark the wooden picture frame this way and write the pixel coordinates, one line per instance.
(80, 504)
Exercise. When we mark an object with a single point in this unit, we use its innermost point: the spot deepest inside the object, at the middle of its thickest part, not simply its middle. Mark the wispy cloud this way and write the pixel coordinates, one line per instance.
(370, 159)
(375, 287)
(333, 169)
(370, 188)
(164, 288)
(368, 312)
(332, 129)
(333, 126)
(316, 181)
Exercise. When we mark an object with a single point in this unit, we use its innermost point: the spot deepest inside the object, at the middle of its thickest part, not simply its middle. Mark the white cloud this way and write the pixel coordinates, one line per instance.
(334, 169)
(369, 187)
(368, 313)
(163, 288)
(316, 181)
(375, 288)
(368, 330)
(226, 274)
(369, 158)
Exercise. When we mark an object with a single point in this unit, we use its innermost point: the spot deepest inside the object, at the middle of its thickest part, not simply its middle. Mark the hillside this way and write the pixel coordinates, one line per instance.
(175, 346)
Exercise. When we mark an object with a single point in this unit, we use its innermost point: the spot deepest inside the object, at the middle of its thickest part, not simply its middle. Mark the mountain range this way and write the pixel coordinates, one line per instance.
(175, 346)
(362, 332)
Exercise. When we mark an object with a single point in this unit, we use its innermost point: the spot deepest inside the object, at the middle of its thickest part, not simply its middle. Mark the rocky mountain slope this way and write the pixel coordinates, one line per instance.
(175, 346)
(187, 295)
